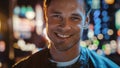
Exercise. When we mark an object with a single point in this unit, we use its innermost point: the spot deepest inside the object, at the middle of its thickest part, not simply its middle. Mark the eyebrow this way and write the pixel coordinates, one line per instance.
(74, 14)
(56, 12)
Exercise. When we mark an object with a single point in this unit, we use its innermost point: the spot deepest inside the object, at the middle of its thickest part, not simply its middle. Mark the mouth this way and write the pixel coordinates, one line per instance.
(63, 36)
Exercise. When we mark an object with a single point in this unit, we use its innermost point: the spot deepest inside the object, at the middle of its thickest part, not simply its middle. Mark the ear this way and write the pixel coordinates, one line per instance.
(87, 19)
(86, 24)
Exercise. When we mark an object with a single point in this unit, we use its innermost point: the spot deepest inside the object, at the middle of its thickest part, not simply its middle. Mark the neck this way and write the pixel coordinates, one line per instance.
(63, 56)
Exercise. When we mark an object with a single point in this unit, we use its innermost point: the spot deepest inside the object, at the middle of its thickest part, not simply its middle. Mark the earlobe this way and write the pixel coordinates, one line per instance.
(85, 26)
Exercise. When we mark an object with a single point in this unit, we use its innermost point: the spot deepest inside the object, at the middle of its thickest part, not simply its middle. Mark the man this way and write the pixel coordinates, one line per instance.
(65, 20)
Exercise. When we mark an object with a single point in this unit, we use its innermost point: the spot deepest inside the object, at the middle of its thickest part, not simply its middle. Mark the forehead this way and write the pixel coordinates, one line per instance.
(67, 1)
(66, 4)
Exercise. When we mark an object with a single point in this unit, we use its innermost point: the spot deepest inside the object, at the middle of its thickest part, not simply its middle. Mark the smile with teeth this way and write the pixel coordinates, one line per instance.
(63, 36)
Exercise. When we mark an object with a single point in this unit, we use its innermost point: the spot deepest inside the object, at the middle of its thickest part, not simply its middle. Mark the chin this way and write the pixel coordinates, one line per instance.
(63, 48)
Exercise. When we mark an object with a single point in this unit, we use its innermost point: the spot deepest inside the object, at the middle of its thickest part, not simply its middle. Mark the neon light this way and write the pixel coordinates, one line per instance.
(117, 19)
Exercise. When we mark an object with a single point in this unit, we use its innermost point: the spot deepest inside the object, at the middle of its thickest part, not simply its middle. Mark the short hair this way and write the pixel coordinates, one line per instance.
(87, 5)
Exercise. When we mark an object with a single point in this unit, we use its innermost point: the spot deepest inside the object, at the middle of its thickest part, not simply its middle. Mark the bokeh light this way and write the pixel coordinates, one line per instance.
(110, 32)
(117, 19)
(16, 10)
(30, 14)
(118, 32)
(95, 4)
(109, 1)
(2, 46)
(100, 36)
(83, 44)
(0, 64)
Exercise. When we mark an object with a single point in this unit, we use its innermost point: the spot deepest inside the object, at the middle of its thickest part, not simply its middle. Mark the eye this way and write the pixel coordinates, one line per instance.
(58, 17)
(75, 19)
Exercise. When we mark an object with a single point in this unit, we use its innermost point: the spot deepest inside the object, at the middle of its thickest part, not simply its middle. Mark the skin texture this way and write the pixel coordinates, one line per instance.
(65, 18)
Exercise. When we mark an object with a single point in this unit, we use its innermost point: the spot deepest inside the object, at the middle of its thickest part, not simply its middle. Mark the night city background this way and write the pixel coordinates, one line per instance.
(22, 30)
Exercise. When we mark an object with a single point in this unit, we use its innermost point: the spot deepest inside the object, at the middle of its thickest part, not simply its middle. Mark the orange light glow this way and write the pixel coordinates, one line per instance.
(118, 32)
(109, 1)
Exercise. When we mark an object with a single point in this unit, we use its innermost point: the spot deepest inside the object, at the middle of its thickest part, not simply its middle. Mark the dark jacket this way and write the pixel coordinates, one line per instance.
(87, 59)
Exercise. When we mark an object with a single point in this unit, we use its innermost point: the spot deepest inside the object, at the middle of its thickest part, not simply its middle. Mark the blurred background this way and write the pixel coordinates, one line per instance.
(22, 30)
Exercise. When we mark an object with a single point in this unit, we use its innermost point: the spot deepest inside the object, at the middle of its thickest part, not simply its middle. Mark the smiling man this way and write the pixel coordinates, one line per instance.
(65, 21)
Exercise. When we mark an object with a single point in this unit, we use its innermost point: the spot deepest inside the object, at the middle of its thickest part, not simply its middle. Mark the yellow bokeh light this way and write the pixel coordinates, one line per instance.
(109, 1)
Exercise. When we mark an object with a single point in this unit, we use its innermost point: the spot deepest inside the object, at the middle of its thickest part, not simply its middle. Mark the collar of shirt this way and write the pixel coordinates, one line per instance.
(64, 64)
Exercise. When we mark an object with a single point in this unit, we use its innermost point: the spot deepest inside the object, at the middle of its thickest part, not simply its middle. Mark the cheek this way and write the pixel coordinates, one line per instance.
(78, 31)
(52, 24)
(53, 21)
(51, 28)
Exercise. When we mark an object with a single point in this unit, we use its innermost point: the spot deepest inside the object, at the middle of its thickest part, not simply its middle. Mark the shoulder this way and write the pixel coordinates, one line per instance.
(20, 63)
(98, 59)
(34, 58)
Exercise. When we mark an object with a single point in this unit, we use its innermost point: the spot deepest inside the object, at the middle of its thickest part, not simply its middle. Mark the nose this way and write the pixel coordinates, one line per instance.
(65, 25)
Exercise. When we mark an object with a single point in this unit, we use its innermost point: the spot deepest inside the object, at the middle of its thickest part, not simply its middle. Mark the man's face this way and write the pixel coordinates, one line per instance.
(64, 23)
